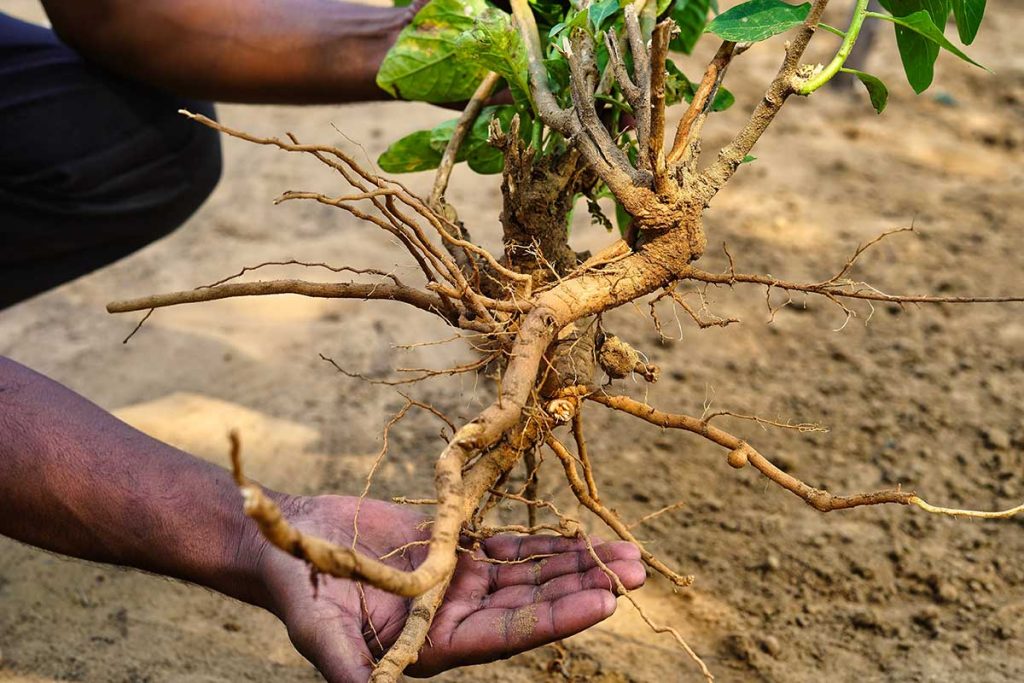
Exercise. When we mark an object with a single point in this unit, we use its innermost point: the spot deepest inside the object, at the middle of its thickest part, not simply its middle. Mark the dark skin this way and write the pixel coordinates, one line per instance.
(78, 481)
(75, 480)
(260, 51)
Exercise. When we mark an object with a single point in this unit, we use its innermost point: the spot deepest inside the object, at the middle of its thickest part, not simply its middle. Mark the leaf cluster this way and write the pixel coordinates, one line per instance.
(451, 45)
(920, 27)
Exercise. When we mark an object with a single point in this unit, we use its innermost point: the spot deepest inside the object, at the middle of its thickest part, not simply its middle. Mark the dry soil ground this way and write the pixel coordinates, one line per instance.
(927, 397)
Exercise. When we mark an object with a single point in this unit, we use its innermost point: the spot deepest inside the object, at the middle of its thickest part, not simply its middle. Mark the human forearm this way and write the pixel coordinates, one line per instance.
(75, 480)
(296, 51)
(78, 481)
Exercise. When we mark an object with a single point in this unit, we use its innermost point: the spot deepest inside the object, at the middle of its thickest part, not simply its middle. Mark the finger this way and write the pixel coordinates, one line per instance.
(336, 647)
(630, 572)
(543, 570)
(491, 634)
(507, 547)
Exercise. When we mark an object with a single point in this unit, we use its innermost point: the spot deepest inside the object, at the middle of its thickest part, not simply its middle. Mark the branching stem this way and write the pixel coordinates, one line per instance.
(621, 590)
(659, 51)
(547, 105)
(332, 290)
(579, 489)
(828, 72)
(741, 453)
(841, 289)
(689, 129)
(732, 155)
(462, 128)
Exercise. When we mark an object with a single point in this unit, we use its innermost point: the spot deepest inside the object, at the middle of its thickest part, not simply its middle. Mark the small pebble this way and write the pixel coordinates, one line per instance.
(772, 646)
(996, 438)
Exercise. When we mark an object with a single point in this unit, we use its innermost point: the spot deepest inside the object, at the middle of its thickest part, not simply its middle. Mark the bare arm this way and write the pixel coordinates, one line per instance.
(268, 51)
(78, 481)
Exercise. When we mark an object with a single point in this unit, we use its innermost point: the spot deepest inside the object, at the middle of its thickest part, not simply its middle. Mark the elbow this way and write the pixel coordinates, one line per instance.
(100, 31)
(80, 24)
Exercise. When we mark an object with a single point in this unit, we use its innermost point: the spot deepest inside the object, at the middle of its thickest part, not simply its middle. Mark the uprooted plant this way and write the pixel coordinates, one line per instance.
(589, 85)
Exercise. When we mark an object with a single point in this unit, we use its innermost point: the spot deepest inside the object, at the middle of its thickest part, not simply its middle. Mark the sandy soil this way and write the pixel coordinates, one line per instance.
(927, 397)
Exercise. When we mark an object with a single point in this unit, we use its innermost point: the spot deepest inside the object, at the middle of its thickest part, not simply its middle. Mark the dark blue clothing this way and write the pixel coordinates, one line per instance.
(92, 166)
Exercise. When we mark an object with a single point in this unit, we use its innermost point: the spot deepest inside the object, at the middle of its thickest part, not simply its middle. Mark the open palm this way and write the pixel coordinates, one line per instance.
(511, 594)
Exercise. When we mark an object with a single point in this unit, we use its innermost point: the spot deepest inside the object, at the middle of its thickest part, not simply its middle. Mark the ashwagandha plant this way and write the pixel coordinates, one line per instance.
(589, 85)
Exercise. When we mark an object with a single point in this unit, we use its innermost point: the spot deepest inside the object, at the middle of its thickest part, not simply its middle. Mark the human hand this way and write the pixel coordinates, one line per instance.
(491, 610)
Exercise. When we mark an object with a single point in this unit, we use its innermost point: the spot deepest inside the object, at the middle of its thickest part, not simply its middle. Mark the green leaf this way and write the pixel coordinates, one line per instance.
(480, 155)
(919, 40)
(601, 11)
(758, 20)
(494, 44)
(547, 13)
(442, 133)
(423, 64)
(691, 16)
(622, 218)
(410, 154)
(877, 91)
(402, 3)
(939, 11)
(601, 55)
(748, 159)
(476, 150)
(597, 216)
(723, 100)
(422, 150)
(678, 87)
(968, 15)
(917, 53)
(486, 161)
(558, 74)
(572, 20)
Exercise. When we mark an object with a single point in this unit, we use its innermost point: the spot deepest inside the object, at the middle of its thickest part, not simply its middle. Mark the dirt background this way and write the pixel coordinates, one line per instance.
(927, 397)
